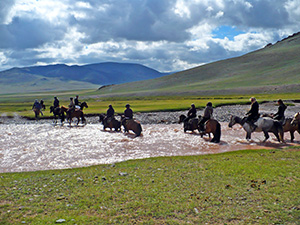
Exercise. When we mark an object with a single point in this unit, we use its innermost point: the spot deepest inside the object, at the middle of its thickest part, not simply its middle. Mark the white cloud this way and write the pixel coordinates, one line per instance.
(163, 34)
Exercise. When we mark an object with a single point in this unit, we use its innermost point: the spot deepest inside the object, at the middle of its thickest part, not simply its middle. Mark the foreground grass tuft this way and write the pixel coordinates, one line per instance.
(245, 187)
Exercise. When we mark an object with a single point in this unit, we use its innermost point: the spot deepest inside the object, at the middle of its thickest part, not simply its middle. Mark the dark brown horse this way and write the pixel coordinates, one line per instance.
(191, 124)
(57, 112)
(214, 127)
(131, 124)
(111, 123)
(76, 113)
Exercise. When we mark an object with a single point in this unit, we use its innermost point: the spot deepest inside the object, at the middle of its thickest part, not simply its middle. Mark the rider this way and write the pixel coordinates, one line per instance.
(208, 111)
(192, 113)
(110, 113)
(280, 113)
(36, 105)
(128, 112)
(252, 114)
(76, 102)
(71, 107)
(42, 106)
(56, 102)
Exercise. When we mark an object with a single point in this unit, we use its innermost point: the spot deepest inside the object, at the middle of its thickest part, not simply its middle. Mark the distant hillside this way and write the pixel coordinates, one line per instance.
(273, 69)
(63, 77)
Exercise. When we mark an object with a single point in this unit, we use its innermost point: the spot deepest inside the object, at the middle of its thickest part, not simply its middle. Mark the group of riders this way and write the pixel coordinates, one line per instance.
(251, 116)
(75, 105)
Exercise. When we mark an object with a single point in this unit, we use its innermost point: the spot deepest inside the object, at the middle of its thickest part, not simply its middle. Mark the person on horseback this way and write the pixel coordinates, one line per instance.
(208, 111)
(76, 102)
(192, 113)
(42, 106)
(280, 113)
(110, 114)
(56, 102)
(252, 115)
(128, 112)
(71, 107)
(36, 105)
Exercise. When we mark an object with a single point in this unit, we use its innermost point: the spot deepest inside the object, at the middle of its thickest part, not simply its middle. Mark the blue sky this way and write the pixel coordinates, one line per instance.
(167, 35)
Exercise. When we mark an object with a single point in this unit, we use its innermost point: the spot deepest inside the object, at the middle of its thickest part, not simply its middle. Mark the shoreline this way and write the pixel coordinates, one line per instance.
(221, 113)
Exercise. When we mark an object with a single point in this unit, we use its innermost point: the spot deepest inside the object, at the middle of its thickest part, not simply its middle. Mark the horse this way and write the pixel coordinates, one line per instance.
(76, 113)
(131, 124)
(214, 127)
(57, 112)
(263, 125)
(83, 104)
(295, 122)
(191, 124)
(289, 125)
(110, 123)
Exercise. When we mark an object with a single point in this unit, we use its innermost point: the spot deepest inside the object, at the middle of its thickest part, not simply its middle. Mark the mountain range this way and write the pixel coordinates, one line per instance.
(64, 77)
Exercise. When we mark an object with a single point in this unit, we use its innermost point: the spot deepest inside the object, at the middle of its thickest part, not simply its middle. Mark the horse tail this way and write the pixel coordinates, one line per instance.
(138, 129)
(279, 128)
(217, 135)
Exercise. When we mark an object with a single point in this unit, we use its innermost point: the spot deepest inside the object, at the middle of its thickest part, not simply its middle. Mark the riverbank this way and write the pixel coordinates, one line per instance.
(221, 113)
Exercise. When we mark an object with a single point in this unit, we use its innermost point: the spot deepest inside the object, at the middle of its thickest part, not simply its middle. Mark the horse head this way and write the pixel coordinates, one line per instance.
(101, 117)
(231, 121)
(51, 109)
(83, 104)
(296, 119)
(181, 118)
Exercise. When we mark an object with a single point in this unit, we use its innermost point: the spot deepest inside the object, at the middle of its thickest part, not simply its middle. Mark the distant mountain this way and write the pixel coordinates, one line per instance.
(60, 76)
(272, 69)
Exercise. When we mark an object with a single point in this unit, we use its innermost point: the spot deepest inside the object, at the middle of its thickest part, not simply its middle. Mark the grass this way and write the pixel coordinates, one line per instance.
(11, 104)
(244, 187)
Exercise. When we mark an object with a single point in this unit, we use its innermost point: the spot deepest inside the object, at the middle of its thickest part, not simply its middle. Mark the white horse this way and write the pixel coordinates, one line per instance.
(263, 125)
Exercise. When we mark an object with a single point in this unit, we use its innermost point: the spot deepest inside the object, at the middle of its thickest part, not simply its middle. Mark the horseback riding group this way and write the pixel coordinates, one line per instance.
(109, 121)
(206, 124)
(252, 122)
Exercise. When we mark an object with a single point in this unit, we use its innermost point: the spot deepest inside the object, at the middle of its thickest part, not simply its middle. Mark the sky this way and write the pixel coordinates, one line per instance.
(166, 35)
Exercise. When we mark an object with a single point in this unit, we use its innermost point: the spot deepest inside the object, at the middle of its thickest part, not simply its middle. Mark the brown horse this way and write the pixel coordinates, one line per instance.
(57, 112)
(110, 123)
(76, 113)
(295, 122)
(214, 127)
(131, 124)
(191, 124)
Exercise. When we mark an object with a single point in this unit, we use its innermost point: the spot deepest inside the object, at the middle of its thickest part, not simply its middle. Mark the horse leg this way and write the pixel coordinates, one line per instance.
(267, 136)
(248, 136)
(292, 136)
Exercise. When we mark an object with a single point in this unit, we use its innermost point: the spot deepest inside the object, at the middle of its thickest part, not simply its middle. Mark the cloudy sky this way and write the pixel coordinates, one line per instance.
(167, 35)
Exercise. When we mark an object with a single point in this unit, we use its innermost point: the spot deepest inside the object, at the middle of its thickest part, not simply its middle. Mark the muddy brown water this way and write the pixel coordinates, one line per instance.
(43, 146)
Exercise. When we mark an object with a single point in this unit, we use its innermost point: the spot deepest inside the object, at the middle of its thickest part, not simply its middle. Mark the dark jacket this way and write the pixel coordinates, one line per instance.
(253, 112)
(128, 113)
(110, 112)
(76, 101)
(192, 113)
(280, 113)
(208, 111)
(56, 103)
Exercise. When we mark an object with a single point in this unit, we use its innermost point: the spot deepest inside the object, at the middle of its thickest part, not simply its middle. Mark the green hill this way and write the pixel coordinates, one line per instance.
(273, 69)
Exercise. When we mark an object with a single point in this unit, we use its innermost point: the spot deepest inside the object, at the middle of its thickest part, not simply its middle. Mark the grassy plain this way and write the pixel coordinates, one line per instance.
(244, 187)
(22, 104)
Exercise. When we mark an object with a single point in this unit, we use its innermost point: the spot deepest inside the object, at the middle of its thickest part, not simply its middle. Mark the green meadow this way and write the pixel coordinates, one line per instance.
(22, 104)
(243, 187)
